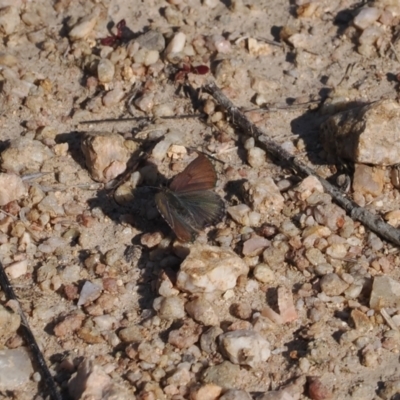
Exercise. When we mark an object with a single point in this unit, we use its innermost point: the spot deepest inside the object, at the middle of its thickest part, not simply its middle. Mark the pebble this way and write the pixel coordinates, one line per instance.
(317, 390)
(202, 311)
(254, 246)
(84, 27)
(258, 48)
(9, 323)
(337, 251)
(25, 155)
(208, 391)
(315, 256)
(105, 154)
(15, 368)
(113, 97)
(368, 180)
(226, 375)
(245, 347)
(210, 268)
(145, 102)
(105, 70)
(366, 144)
(17, 269)
(276, 254)
(11, 188)
(256, 157)
(132, 334)
(69, 325)
(92, 381)
(264, 274)
(385, 293)
(208, 340)
(9, 20)
(329, 215)
(366, 17)
(187, 335)
(51, 244)
(264, 196)
(152, 40)
(243, 215)
(172, 307)
(333, 285)
(176, 45)
(89, 293)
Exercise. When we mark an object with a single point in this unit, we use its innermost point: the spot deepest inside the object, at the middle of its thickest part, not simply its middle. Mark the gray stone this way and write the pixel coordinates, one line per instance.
(15, 368)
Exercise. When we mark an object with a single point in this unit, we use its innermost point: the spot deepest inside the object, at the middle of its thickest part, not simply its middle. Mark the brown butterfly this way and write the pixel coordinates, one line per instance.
(187, 204)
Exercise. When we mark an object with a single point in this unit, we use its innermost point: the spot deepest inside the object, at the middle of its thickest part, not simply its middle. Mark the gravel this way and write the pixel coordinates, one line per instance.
(287, 297)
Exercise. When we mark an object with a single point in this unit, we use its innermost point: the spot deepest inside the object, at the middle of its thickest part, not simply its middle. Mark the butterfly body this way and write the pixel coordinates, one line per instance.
(188, 205)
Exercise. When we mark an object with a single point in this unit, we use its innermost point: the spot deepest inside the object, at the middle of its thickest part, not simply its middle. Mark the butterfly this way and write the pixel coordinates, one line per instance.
(188, 204)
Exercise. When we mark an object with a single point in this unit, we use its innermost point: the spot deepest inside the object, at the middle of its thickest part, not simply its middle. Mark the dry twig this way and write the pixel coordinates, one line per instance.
(373, 222)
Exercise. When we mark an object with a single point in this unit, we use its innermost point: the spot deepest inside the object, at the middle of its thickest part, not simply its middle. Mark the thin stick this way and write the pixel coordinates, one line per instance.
(29, 337)
(373, 222)
(144, 118)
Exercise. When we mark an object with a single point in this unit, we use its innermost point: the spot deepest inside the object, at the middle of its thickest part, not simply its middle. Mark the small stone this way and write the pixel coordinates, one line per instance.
(169, 307)
(202, 311)
(315, 256)
(15, 368)
(337, 251)
(151, 240)
(113, 97)
(84, 27)
(105, 70)
(208, 340)
(92, 382)
(368, 180)
(317, 390)
(256, 157)
(211, 3)
(176, 45)
(89, 293)
(329, 215)
(333, 285)
(25, 155)
(207, 391)
(361, 321)
(105, 155)
(225, 375)
(152, 40)
(9, 20)
(263, 273)
(245, 347)
(69, 325)
(185, 336)
(240, 214)
(17, 269)
(353, 134)
(210, 268)
(264, 196)
(241, 310)
(254, 246)
(308, 186)
(11, 188)
(132, 334)
(366, 17)
(257, 48)
(385, 293)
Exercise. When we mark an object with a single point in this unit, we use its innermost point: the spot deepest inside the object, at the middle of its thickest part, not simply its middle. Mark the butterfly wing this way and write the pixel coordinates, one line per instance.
(188, 213)
(176, 219)
(205, 207)
(198, 175)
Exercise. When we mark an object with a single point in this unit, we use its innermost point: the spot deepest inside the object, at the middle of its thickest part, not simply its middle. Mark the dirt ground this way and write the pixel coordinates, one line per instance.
(51, 85)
